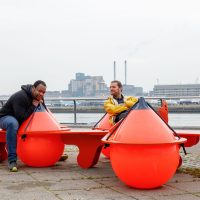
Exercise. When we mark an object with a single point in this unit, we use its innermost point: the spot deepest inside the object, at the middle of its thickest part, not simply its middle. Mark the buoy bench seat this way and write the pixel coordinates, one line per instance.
(88, 142)
(192, 136)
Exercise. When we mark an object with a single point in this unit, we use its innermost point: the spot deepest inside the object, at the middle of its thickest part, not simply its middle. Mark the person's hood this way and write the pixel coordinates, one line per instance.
(27, 89)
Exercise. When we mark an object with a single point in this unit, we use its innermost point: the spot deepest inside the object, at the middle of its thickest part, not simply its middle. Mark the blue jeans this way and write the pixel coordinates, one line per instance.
(11, 125)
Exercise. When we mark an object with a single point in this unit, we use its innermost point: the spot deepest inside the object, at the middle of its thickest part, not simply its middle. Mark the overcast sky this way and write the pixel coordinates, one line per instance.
(53, 39)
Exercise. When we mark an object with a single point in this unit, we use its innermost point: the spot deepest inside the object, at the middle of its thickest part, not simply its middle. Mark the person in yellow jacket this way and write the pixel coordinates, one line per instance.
(117, 105)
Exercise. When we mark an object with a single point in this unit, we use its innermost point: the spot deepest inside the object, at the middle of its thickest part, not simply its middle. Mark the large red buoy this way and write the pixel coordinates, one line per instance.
(144, 152)
(39, 145)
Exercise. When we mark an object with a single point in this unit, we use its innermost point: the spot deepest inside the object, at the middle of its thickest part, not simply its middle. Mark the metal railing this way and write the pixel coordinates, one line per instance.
(75, 100)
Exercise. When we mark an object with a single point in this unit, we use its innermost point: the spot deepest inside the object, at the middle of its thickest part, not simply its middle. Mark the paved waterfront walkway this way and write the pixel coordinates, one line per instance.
(66, 181)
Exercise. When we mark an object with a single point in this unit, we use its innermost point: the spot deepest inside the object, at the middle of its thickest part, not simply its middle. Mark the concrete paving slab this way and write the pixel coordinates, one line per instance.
(178, 197)
(181, 177)
(192, 186)
(74, 185)
(97, 194)
(41, 194)
(110, 182)
(97, 172)
(66, 180)
(56, 176)
(153, 193)
(26, 186)
(15, 178)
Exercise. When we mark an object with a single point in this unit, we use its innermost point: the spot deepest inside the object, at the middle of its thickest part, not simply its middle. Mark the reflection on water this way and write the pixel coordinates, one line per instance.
(180, 119)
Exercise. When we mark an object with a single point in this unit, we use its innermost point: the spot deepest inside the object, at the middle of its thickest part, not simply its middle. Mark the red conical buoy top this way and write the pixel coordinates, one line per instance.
(104, 124)
(40, 120)
(39, 141)
(143, 126)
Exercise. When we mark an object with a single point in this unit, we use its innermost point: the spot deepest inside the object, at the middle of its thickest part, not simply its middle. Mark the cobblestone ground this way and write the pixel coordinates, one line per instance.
(67, 181)
(191, 161)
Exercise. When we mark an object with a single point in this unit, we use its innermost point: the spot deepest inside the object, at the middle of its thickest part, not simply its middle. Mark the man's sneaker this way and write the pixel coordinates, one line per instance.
(13, 166)
(63, 157)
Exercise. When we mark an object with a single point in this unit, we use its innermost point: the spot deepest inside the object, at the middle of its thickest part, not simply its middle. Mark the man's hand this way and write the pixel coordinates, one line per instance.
(37, 102)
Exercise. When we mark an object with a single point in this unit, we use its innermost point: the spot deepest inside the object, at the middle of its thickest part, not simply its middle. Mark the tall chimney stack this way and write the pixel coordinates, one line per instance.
(114, 70)
(125, 65)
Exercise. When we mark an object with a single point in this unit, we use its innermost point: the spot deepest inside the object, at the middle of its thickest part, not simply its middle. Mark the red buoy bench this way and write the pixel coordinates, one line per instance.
(90, 145)
(88, 142)
(192, 136)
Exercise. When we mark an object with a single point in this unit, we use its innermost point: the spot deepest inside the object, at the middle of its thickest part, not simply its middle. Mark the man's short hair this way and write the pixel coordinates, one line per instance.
(119, 84)
(38, 82)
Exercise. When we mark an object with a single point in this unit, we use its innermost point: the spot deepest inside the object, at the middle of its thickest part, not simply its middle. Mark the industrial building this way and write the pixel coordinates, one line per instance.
(176, 90)
(87, 86)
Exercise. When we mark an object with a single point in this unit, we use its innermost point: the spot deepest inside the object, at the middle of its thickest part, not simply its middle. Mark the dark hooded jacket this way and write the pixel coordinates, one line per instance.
(19, 105)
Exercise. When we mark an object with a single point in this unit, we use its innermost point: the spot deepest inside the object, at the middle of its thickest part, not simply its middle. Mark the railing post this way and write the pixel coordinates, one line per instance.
(75, 111)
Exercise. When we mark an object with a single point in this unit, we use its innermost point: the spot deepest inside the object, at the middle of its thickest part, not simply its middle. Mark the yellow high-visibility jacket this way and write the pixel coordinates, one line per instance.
(112, 107)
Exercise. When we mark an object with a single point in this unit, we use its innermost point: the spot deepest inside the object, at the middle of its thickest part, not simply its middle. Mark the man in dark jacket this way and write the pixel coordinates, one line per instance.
(16, 110)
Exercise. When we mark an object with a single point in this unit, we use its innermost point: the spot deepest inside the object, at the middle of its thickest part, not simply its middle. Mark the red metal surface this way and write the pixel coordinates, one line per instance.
(89, 144)
(104, 124)
(106, 152)
(191, 136)
(143, 127)
(3, 151)
(144, 166)
(163, 110)
(2, 135)
(37, 149)
(147, 148)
